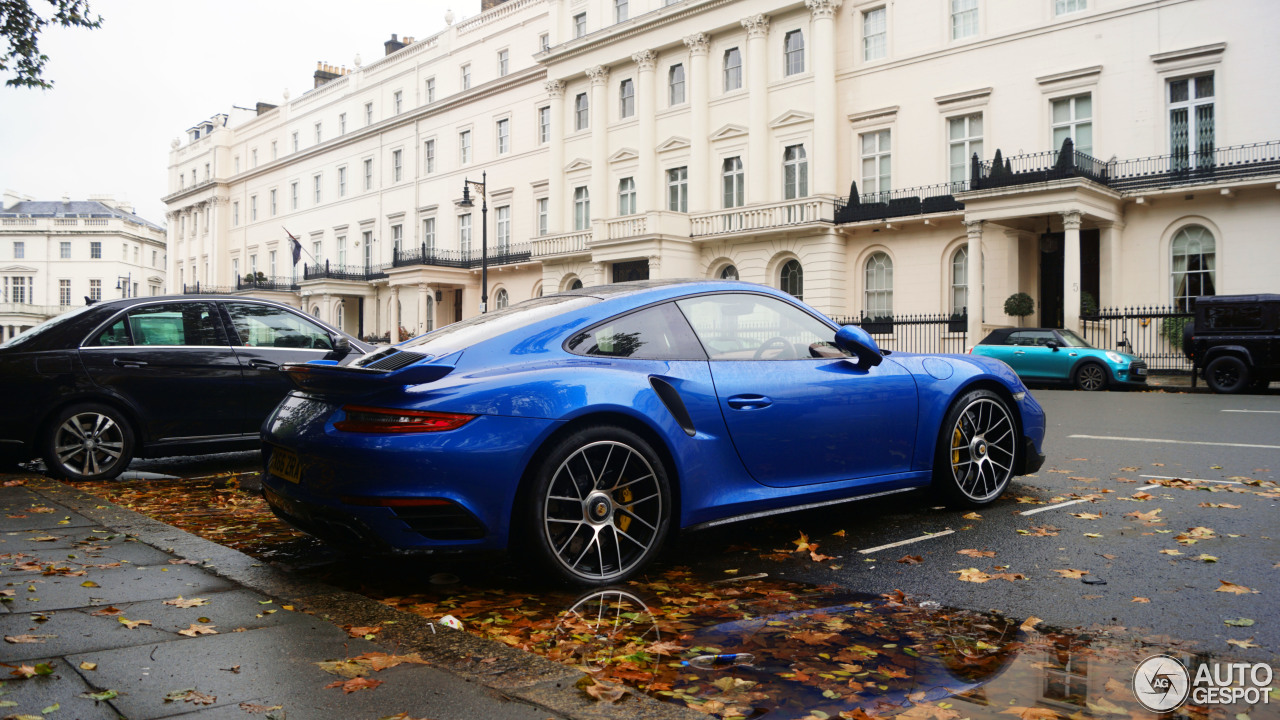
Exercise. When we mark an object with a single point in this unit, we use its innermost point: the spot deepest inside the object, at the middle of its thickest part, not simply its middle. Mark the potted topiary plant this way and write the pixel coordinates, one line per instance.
(1019, 305)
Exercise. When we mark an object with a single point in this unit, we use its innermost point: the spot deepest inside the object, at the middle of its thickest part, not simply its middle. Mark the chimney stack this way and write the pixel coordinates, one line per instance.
(490, 4)
(393, 44)
(326, 72)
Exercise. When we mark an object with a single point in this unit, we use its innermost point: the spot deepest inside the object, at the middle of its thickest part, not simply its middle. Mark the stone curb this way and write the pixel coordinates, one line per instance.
(506, 670)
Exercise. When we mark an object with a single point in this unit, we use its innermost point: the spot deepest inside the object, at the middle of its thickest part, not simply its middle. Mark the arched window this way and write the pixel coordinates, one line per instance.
(315, 311)
(960, 281)
(795, 172)
(429, 323)
(878, 301)
(338, 312)
(500, 299)
(792, 279)
(577, 284)
(1194, 252)
(731, 273)
(537, 290)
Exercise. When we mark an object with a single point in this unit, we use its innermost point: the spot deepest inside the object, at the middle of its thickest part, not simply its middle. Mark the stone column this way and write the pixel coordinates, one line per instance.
(602, 273)
(1071, 222)
(1110, 277)
(393, 314)
(974, 228)
(826, 147)
(423, 292)
(646, 106)
(599, 141)
(700, 173)
(555, 181)
(758, 161)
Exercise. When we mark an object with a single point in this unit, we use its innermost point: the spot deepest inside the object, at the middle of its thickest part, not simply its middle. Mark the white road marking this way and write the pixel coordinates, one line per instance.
(906, 542)
(1166, 477)
(1052, 507)
(1175, 442)
(1270, 412)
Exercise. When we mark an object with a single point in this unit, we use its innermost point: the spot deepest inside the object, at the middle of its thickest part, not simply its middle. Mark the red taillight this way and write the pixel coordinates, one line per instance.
(362, 419)
(394, 502)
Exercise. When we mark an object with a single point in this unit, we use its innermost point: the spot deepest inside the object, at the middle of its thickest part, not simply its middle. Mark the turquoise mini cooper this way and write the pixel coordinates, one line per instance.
(1050, 355)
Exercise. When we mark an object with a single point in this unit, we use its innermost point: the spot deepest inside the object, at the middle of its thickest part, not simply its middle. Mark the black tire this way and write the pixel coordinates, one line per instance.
(977, 450)
(1090, 376)
(600, 506)
(88, 442)
(1227, 374)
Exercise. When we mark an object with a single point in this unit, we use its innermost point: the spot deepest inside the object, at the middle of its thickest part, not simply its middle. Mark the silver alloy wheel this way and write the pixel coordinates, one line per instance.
(88, 443)
(982, 449)
(1091, 377)
(603, 510)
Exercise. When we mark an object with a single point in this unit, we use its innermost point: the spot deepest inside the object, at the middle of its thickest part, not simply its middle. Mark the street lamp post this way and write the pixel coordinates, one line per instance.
(484, 232)
(123, 282)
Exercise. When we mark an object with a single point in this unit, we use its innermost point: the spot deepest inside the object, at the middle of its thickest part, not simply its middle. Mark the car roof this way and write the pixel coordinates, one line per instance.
(1228, 299)
(999, 335)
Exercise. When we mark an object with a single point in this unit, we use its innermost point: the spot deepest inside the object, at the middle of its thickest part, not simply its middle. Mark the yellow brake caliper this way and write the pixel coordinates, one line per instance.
(624, 520)
(957, 441)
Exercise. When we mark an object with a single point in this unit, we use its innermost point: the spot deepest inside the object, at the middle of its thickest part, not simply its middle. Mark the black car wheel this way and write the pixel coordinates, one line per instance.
(977, 449)
(1227, 374)
(601, 506)
(88, 442)
(1091, 376)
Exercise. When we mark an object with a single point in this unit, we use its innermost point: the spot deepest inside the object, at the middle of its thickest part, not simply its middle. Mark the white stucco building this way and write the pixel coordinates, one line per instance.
(56, 253)
(626, 139)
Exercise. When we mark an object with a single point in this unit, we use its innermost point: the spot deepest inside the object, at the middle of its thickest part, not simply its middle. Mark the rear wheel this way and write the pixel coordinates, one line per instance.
(977, 449)
(1227, 374)
(88, 442)
(601, 506)
(1091, 376)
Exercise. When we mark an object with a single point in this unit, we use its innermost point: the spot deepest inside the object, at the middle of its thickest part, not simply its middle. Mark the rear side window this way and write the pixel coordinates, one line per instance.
(266, 326)
(744, 326)
(1234, 317)
(1031, 338)
(116, 334)
(656, 333)
(176, 324)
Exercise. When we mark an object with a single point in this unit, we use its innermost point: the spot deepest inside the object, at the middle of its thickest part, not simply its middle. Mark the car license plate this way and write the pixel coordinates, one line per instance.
(1142, 371)
(285, 464)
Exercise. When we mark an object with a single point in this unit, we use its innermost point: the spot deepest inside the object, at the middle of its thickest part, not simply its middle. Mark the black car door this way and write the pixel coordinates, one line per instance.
(266, 337)
(171, 362)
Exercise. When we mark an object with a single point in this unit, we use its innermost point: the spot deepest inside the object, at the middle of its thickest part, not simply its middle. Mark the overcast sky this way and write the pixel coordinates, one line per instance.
(157, 67)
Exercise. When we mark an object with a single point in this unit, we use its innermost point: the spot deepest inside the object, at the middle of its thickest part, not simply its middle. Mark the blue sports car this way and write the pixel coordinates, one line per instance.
(586, 427)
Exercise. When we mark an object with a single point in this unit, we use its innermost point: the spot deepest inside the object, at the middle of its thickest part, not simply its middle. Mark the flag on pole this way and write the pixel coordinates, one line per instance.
(296, 246)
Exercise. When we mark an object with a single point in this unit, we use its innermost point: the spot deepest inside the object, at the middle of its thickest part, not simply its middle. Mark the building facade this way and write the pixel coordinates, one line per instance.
(56, 255)
(843, 150)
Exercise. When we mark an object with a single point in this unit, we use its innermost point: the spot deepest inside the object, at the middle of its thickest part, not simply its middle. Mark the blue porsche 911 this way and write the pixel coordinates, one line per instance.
(588, 426)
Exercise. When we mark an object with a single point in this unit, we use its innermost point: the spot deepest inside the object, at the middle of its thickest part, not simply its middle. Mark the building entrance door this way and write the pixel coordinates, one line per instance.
(631, 270)
(1051, 269)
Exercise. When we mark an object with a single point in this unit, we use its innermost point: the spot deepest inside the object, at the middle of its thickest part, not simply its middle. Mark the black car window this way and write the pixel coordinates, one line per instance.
(267, 326)
(115, 334)
(1028, 338)
(176, 324)
(1233, 317)
(745, 326)
(656, 333)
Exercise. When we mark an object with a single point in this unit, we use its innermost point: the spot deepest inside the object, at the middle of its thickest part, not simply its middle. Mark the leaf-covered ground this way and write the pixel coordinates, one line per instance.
(766, 648)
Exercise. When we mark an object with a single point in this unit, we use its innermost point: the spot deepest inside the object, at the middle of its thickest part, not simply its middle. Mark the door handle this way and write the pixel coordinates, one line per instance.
(263, 365)
(122, 362)
(749, 402)
(1019, 352)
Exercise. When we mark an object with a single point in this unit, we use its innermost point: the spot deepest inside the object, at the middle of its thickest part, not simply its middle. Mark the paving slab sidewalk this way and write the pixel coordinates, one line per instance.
(90, 592)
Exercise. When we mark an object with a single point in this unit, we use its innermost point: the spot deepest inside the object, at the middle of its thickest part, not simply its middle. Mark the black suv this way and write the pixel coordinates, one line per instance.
(1234, 341)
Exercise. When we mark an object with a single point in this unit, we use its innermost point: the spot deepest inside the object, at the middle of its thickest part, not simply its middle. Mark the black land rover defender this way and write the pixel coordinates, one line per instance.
(1234, 341)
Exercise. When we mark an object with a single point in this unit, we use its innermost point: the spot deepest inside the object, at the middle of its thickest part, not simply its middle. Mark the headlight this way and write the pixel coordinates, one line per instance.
(1116, 357)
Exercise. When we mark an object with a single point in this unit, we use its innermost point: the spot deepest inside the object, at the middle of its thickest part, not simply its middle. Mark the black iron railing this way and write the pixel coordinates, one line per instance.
(270, 283)
(1186, 168)
(201, 289)
(1035, 168)
(915, 333)
(329, 271)
(1154, 334)
(923, 200)
(469, 259)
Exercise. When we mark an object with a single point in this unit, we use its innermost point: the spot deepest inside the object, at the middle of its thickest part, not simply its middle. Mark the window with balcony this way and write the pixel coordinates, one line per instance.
(876, 162)
(503, 226)
(678, 189)
(964, 141)
(733, 182)
(793, 53)
(795, 172)
(878, 295)
(581, 209)
(627, 196)
(875, 34)
(626, 98)
(397, 238)
(464, 233)
(964, 19)
(342, 249)
(429, 233)
(1073, 118)
(1191, 121)
(732, 69)
(675, 85)
(541, 210)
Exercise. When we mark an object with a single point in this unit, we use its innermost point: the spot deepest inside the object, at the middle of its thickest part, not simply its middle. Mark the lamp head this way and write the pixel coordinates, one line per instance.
(466, 196)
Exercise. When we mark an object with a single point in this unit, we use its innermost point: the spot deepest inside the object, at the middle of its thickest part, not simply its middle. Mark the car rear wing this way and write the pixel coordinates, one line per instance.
(327, 377)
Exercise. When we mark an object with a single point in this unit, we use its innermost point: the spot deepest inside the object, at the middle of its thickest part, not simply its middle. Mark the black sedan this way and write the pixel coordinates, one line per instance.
(152, 377)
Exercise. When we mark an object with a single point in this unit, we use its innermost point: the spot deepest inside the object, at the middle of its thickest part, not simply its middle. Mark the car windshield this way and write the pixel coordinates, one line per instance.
(1073, 340)
(45, 327)
(477, 329)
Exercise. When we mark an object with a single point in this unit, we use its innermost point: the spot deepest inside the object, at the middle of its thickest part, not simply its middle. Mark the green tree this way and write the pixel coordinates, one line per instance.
(20, 28)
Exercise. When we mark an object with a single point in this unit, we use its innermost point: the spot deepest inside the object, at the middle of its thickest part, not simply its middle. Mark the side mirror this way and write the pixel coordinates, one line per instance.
(858, 341)
(1052, 345)
(341, 345)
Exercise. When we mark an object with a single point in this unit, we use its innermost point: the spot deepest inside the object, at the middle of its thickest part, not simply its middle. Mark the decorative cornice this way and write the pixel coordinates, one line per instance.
(698, 43)
(646, 59)
(1201, 53)
(599, 74)
(961, 98)
(757, 26)
(555, 88)
(1070, 75)
(823, 9)
(874, 117)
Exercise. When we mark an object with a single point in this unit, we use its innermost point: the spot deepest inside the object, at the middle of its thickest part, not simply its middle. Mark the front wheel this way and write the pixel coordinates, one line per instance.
(1227, 374)
(1091, 376)
(88, 442)
(977, 449)
(601, 506)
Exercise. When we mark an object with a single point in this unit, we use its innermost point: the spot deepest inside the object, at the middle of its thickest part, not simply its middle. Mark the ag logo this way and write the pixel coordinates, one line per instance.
(1161, 683)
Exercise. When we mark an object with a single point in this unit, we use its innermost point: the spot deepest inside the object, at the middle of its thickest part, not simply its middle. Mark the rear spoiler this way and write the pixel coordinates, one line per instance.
(327, 377)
